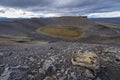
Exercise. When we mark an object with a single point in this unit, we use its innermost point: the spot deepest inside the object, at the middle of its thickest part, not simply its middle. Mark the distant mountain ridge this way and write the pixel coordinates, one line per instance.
(106, 20)
(10, 19)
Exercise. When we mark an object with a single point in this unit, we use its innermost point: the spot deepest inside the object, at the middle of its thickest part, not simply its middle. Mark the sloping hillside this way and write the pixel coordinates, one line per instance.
(93, 32)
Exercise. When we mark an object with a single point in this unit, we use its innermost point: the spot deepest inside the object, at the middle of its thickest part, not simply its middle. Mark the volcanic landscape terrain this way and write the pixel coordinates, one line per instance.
(45, 30)
(59, 48)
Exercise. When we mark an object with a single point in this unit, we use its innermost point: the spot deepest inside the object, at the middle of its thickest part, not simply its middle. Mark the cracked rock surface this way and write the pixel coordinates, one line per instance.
(60, 61)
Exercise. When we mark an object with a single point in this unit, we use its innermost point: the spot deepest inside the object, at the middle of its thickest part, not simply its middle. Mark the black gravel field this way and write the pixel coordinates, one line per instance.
(53, 61)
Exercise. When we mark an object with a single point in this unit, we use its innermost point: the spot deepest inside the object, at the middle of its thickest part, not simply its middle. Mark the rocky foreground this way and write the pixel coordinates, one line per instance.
(60, 61)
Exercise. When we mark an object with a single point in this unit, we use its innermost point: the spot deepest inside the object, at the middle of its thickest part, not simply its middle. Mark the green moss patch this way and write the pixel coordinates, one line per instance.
(18, 39)
(68, 32)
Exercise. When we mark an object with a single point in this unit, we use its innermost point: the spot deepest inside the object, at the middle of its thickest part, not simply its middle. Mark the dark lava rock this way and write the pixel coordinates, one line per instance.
(15, 73)
(64, 61)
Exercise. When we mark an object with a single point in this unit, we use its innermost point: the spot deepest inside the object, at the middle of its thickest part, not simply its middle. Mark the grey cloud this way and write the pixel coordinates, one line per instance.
(64, 7)
(2, 11)
(24, 3)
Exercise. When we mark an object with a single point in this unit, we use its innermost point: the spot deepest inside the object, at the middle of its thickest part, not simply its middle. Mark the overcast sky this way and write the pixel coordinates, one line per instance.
(51, 8)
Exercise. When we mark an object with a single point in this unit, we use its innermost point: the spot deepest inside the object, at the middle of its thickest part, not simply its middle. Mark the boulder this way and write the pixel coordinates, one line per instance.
(87, 59)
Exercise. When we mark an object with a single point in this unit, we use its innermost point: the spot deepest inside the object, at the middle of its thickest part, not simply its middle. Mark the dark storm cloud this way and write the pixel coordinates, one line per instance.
(2, 11)
(23, 3)
(64, 7)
